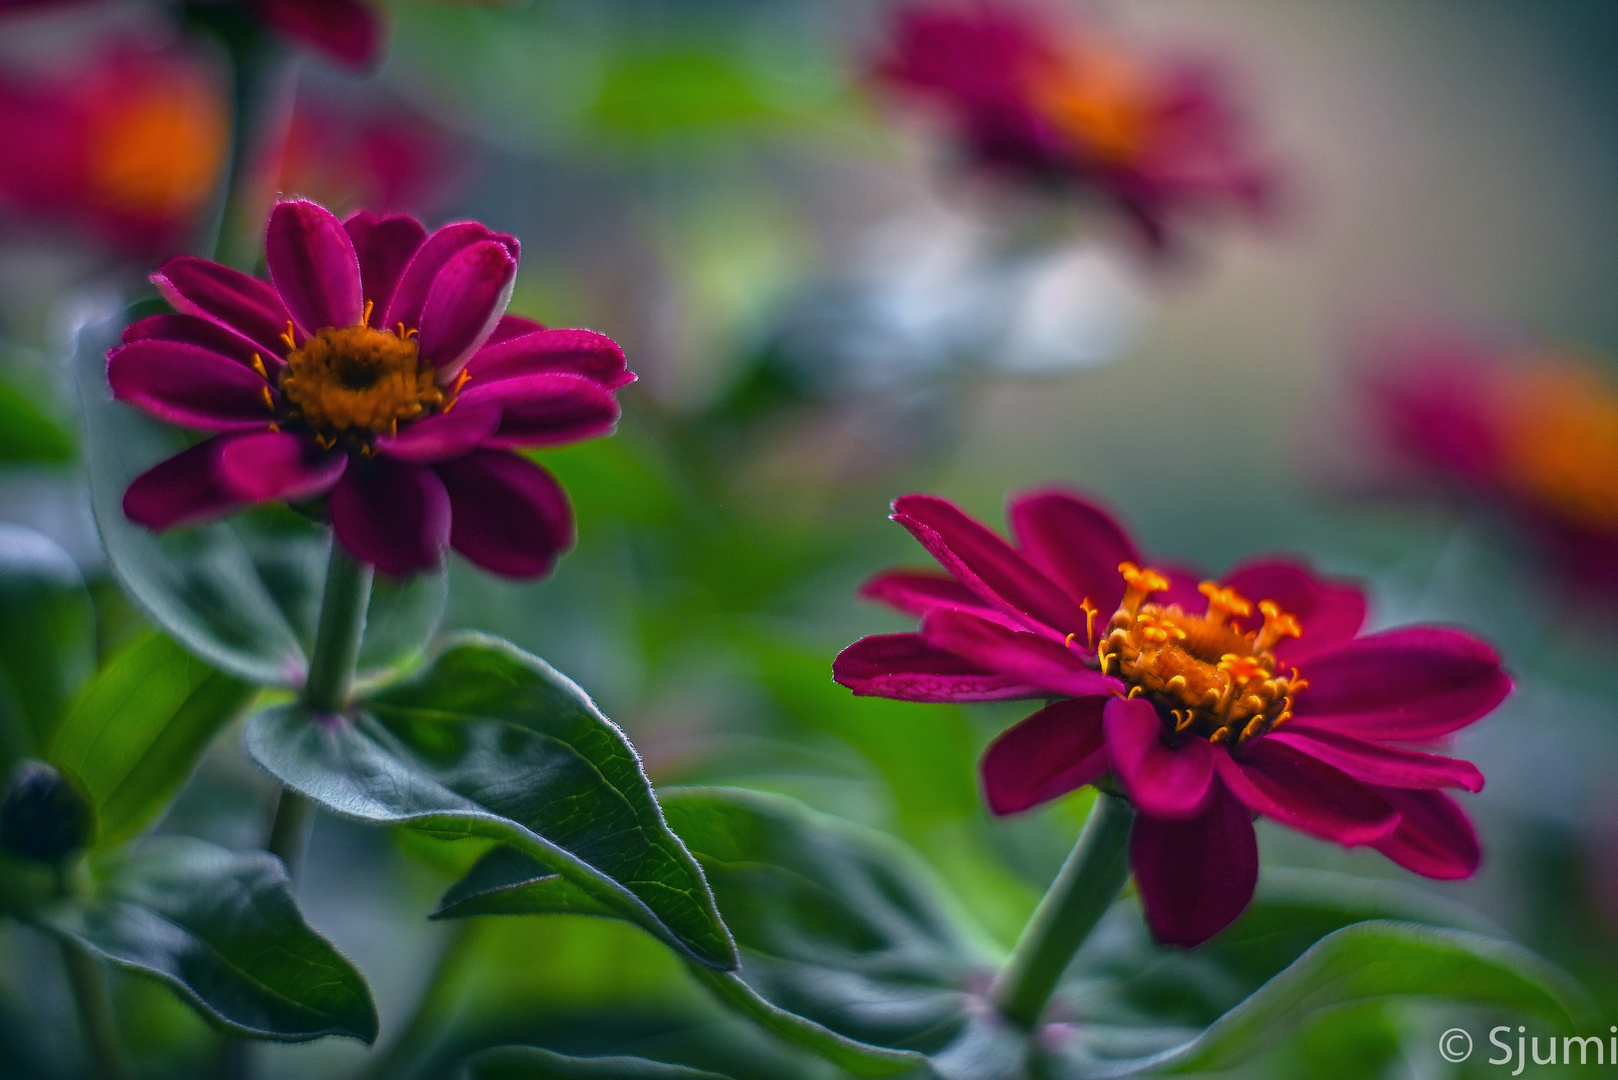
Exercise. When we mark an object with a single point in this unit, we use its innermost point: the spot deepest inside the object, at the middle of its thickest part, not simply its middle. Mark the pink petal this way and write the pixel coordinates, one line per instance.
(545, 410)
(348, 31)
(444, 436)
(205, 334)
(1024, 657)
(987, 564)
(511, 517)
(1330, 612)
(1161, 779)
(385, 246)
(314, 267)
(250, 307)
(1410, 684)
(1434, 838)
(1195, 876)
(465, 302)
(183, 489)
(1057, 750)
(410, 296)
(511, 326)
(392, 515)
(916, 592)
(1075, 542)
(1182, 590)
(279, 467)
(904, 667)
(1304, 793)
(574, 352)
(1373, 763)
(190, 386)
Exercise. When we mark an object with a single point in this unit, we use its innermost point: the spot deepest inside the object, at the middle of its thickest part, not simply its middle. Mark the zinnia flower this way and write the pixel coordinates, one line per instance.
(1052, 107)
(375, 371)
(1205, 703)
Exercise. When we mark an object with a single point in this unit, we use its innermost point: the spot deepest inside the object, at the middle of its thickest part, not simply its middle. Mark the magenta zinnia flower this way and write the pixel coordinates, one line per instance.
(1205, 703)
(376, 371)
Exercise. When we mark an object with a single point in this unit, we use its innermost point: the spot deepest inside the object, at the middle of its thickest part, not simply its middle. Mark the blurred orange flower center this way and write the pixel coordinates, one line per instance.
(1100, 98)
(357, 380)
(1212, 678)
(160, 152)
(1559, 427)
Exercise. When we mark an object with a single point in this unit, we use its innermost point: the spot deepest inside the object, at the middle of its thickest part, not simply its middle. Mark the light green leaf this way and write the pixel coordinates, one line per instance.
(27, 434)
(47, 643)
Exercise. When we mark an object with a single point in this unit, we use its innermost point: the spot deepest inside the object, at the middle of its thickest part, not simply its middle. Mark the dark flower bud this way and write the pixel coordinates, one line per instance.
(45, 814)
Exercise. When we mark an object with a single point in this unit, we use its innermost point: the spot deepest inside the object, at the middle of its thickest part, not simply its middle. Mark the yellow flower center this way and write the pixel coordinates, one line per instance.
(160, 152)
(355, 381)
(1203, 670)
(1100, 98)
(1559, 428)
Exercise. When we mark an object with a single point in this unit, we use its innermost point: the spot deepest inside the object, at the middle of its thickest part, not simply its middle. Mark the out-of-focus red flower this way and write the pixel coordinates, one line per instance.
(1066, 106)
(1534, 430)
(383, 156)
(1205, 703)
(129, 146)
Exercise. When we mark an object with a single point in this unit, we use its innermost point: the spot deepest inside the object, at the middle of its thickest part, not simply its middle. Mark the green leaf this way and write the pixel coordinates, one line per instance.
(136, 732)
(507, 882)
(47, 645)
(27, 434)
(222, 930)
(532, 1063)
(488, 741)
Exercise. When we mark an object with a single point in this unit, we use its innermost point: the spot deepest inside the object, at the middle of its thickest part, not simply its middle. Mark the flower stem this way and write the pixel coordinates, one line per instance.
(410, 1050)
(89, 985)
(1085, 887)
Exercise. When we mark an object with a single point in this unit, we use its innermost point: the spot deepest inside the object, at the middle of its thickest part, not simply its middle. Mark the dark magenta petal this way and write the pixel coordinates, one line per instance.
(511, 326)
(1057, 750)
(1373, 763)
(184, 489)
(393, 515)
(1409, 685)
(1075, 542)
(410, 296)
(1330, 612)
(574, 352)
(1027, 658)
(511, 517)
(1182, 590)
(205, 334)
(465, 302)
(276, 466)
(229, 297)
(545, 410)
(987, 564)
(1304, 793)
(385, 246)
(447, 435)
(190, 386)
(1434, 839)
(1196, 875)
(1162, 780)
(348, 31)
(906, 668)
(916, 592)
(313, 265)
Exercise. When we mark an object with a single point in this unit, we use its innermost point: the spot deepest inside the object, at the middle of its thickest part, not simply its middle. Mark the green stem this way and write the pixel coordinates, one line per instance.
(337, 639)
(408, 1052)
(1085, 887)
(289, 833)
(89, 985)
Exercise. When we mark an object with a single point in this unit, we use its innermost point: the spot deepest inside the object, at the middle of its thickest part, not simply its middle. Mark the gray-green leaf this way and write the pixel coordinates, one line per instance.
(532, 1063)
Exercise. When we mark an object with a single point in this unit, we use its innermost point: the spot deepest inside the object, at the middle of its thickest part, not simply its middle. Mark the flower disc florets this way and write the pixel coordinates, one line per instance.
(358, 381)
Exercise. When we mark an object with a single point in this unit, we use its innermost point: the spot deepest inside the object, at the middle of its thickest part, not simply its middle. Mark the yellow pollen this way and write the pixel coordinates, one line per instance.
(1224, 602)
(370, 305)
(355, 380)
(286, 336)
(258, 366)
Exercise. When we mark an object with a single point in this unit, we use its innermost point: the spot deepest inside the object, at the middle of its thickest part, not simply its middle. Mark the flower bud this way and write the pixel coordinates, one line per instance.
(45, 814)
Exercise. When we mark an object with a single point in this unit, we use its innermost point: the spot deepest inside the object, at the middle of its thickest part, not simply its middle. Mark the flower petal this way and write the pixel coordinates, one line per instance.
(393, 515)
(465, 302)
(1304, 793)
(1330, 612)
(276, 466)
(313, 265)
(444, 436)
(1434, 839)
(545, 410)
(574, 352)
(1373, 763)
(190, 386)
(349, 31)
(511, 517)
(1075, 542)
(385, 246)
(1410, 684)
(1057, 750)
(906, 668)
(1195, 876)
(1027, 658)
(410, 296)
(511, 326)
(987, 564)
(205, 334)
(1162, 780)
(916, 592)
(183, 489)
(229, 297)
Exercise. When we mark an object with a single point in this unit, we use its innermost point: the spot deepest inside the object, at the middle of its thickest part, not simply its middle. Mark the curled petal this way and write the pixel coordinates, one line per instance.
(279, 467)
(1161, 779)
(1373, 763)
(511, 326)
(466, 300)
(349, 31)
(906, 668)
(204, 334)
(1027, 658)
(1434, 838)
(1329, 612)
(190, 386)
(573, 352)
(916, 592)
(393, 515)
(510, 517)
(545, 410)
(1057, 750)
(1304, 793)
(250, 307)
(385, 246)
(410, 296)
(313, 265)
(1196, 875)
(444, 436)
(1410, 684)
(182, 490)
(1075, 542)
